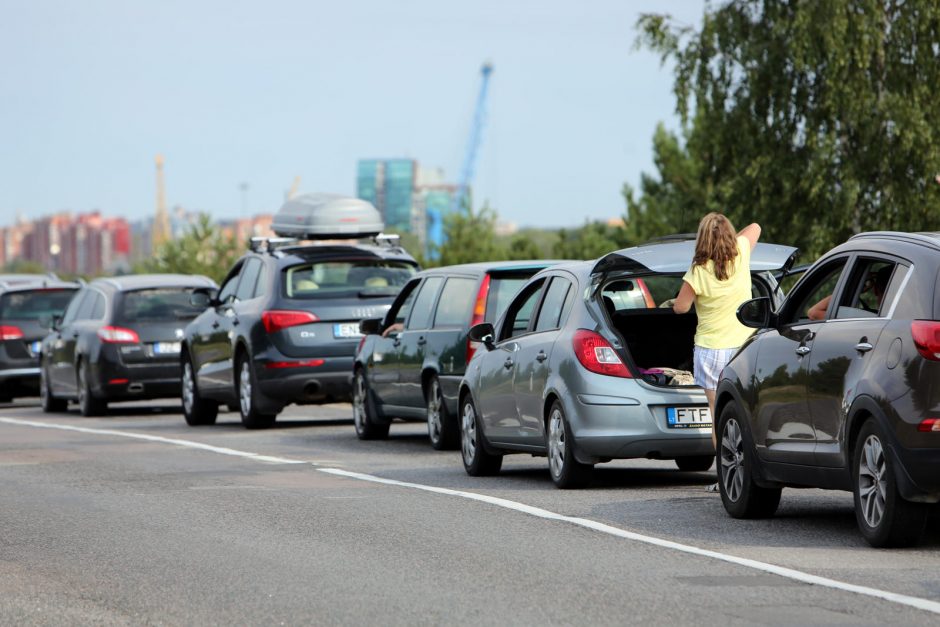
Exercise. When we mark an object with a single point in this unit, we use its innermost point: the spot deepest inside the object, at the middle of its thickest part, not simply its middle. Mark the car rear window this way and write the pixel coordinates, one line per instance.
(34, 304)
(502, 289)
(334, 279)
(163, 304)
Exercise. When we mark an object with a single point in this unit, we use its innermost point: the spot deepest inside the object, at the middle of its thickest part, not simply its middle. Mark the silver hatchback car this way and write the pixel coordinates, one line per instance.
(588, 363)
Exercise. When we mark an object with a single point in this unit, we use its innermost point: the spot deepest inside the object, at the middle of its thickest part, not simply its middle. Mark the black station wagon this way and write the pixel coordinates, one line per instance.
(410, 363)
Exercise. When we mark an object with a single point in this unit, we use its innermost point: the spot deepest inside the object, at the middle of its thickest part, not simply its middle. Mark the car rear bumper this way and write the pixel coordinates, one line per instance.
(329, 381)
(138, 381)
(15, 381)
(918, 473)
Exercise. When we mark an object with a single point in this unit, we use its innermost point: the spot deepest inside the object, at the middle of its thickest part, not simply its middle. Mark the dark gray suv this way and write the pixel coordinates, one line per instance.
(840, 389)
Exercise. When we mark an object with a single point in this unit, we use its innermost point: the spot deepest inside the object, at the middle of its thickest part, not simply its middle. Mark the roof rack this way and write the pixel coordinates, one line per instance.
(270, 244)
(389, 240)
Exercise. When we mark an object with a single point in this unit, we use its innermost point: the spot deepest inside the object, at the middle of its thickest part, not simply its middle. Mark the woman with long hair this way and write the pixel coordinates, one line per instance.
(717, 283)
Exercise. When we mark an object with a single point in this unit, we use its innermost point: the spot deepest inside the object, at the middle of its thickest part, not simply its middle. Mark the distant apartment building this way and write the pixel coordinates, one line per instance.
(243, 229)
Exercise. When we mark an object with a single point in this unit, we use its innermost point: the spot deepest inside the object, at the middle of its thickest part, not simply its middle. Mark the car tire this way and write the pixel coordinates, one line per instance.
(740, 494)
(477, 461)
(49, 403)
(196, 410)
(442, 427)
(364, 414)
(247, 390)
(88, 404)
(884, 518)
(567, 472)
(695, 463)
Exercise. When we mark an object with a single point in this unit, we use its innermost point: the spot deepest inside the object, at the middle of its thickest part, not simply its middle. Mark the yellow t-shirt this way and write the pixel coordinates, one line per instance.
(717, 302)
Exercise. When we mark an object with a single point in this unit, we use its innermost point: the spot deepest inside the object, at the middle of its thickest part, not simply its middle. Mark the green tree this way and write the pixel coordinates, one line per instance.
(589, 241)
(23, 266)
(470, 236)
(818, 119)
(204, 249)
(521, 246)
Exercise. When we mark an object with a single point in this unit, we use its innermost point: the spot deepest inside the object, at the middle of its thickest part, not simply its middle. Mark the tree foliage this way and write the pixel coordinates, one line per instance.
(470, 236)
(590, 241)
(204, 249)
(817, 119)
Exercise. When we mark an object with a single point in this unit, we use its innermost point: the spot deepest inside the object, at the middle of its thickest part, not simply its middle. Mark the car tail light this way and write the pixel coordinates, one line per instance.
(479, 311)
(929, 424)
(597, 355)
(118, 381)
(362, 342)
(308, 363)
(926, 334)
(278, 320)
(118, 335)
(9, 332)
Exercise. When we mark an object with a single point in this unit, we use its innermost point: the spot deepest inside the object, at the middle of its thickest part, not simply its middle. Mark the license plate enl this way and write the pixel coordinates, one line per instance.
(346, 329)
(688, 417)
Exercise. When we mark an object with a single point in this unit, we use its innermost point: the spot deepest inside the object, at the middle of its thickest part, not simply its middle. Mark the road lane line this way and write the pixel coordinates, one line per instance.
(789, 573)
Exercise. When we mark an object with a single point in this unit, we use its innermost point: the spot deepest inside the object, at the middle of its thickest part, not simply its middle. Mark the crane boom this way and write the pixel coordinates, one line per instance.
(473, 142)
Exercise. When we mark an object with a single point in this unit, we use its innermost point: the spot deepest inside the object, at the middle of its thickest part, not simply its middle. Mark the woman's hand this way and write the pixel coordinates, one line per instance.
(684, 299)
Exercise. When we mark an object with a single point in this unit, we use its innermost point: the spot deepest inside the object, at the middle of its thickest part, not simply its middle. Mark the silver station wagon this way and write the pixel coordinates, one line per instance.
(589, 363)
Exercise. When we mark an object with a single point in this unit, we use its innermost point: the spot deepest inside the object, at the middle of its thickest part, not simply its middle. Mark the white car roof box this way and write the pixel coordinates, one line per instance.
(327, 216)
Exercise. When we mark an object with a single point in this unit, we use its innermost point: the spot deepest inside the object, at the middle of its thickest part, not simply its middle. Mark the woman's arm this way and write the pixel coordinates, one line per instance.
(684, 300)
(752, 233)
(818, 311)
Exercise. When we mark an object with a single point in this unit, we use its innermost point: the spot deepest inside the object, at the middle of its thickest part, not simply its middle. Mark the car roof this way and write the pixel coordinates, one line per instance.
(924, 238)
(483, 267)
(149, 281)
(670, 257)
(318, 252)
(40, 283)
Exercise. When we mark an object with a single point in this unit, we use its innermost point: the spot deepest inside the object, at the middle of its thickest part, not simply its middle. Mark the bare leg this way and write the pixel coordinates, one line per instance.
(710, 395)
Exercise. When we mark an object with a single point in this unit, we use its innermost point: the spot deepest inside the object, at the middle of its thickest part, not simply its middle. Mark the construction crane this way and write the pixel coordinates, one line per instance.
(160, 233)
(293, 188)
(462, 193)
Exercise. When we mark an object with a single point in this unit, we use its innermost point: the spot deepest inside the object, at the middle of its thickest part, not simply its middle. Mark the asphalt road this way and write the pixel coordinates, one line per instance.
(136, 518)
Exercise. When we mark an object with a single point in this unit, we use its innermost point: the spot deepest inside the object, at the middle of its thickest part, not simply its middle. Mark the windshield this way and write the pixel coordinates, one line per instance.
(34, 304)
(163, 304)
(331, 279)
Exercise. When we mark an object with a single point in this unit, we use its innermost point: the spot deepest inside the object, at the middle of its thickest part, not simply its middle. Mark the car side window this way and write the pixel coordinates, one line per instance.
(74, 306)
(261, 287)
(421, 310)
(249, 276)
(97, 308)
(454, 308)
(227, 293)
(811, 299)
(87, 308)
(520, 311)
(553, 305)
(865, 291)
(402, 307)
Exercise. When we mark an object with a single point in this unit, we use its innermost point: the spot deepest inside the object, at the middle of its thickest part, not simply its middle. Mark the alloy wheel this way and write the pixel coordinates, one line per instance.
(732, 460)
(556, 442)
(434, 411)
(359, 402)
(244, 389)
(81, 385)
(189, 388)
(43, 391)
(872, 487)
(468, 425)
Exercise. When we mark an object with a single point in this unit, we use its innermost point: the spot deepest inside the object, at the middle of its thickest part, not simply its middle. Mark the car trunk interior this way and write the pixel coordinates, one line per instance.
(658, 341)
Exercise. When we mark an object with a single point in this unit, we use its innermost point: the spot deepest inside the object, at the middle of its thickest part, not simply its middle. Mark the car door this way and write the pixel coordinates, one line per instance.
(414, 339)
(61, 361)
(496, 400)
(533, 362)
(212, 352)
(783, 426)
(386, 349)
(844, 346)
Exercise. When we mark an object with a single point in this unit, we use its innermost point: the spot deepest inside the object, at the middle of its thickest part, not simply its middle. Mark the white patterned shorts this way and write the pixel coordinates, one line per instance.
(708, 364)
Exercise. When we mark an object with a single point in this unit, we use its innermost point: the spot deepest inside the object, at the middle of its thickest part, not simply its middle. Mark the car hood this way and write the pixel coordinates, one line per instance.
(676, 257)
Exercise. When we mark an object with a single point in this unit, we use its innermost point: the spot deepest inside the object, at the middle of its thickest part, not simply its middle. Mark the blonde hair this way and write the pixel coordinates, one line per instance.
(716, 240)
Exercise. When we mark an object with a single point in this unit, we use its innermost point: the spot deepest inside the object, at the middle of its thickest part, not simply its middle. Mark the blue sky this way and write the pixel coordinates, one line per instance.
(261, 92)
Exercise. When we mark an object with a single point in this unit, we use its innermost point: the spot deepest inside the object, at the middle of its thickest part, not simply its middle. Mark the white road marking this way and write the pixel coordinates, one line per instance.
(796, 575)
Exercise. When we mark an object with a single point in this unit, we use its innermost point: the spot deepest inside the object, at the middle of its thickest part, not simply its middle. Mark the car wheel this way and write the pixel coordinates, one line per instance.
(695, 463)
(364, 416)
(49, 402)
(884, 517)
(476, 460)
(567, 472)
(87, 403)
(248, 398)
(442, 428)
(196, 410)
(741, 496)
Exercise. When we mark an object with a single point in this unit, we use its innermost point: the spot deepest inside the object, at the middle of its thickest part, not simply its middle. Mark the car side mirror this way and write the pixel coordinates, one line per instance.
(483, 333)
(55, 323)
(370, 326)
(756, 313)
(46, 321)
(204, 297)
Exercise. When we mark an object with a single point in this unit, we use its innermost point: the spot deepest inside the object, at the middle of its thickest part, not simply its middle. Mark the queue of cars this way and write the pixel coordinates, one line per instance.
(580, 362)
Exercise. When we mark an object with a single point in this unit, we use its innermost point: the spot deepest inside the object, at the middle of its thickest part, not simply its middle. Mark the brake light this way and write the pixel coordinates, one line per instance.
(929, 424)
(278, 320)
(926, 334)
(309, 363)
(597, 355)
(9, 332)
(479, 311)
(362, 342)
(118, 335)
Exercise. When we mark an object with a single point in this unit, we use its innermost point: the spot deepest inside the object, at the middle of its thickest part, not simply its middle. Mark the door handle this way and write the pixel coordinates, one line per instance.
(235, 322)
(863, 347)
(541, 357)
(803, 350)
(508, 363)
(215, 325)
(422, 341)
(396, 343)
(75, 334)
